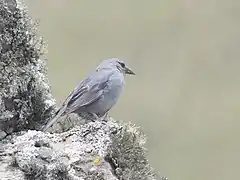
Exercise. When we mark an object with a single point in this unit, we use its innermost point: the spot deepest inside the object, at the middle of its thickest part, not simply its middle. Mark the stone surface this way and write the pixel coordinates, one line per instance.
(96, 150)
(25, 98)
(3, 134)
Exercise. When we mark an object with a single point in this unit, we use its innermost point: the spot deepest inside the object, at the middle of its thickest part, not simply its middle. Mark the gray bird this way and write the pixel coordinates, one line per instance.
(97, 93)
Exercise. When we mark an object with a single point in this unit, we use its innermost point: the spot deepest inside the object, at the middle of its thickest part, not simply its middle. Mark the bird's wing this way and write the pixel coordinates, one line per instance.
(61, 111)
(88, 91)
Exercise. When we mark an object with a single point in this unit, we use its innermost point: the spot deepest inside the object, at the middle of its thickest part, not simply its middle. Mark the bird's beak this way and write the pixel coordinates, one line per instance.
(128, 71)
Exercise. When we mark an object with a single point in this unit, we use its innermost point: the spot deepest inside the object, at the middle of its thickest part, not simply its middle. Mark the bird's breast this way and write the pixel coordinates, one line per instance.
(113, 90)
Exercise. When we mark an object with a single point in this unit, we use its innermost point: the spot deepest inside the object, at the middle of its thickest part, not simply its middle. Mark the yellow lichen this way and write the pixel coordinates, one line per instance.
(97, 161)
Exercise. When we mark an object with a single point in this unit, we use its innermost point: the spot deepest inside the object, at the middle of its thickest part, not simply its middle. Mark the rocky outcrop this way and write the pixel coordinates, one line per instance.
(101, 150)
(25, 98)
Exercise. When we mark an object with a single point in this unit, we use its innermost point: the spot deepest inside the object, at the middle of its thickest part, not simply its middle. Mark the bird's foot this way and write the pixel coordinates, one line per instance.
(104, 117)
(97, 118)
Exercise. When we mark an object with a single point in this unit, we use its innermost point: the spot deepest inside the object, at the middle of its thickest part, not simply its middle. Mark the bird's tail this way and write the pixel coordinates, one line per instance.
(59, 113)
(62, 111)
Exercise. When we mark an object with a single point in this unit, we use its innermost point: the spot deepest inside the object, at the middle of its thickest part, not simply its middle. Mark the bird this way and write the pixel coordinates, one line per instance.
(97, 93)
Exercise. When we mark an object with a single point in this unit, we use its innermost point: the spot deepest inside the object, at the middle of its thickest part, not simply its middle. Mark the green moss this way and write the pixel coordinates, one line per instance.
(127, 155)
(24, 90)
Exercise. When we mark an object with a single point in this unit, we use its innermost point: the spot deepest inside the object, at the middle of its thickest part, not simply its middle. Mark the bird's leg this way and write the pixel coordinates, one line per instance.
(69, 120)
(95, 116)
(104, 117)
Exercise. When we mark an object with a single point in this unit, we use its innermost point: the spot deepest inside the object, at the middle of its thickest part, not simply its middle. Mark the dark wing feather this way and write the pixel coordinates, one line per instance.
(87, 92)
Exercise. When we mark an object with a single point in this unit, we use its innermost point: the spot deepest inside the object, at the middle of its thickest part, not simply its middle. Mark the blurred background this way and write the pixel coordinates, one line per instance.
(186, 95)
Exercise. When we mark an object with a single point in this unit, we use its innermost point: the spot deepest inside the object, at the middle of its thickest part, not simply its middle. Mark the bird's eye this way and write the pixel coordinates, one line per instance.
(122, 64)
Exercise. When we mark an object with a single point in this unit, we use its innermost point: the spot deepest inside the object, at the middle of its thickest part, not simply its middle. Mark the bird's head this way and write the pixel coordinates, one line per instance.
(116, 63)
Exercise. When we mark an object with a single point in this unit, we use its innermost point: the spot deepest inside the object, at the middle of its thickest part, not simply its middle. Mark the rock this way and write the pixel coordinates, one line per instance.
(2, 135)
(25, 97)
(75, 154)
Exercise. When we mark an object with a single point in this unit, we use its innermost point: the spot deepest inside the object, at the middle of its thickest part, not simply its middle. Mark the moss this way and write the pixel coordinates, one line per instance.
(127, 155)
(24, 92)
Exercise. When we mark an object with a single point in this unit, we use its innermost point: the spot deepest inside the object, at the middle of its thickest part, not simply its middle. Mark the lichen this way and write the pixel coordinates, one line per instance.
(127, 154)
(25, 94)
